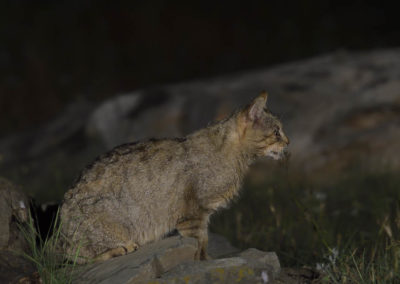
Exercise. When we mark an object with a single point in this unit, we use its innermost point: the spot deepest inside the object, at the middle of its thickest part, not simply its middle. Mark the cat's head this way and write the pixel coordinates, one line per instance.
(260, 131)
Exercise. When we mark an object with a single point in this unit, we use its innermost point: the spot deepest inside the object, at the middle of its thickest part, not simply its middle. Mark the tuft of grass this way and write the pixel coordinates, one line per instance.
(47, 254)
(349, 228)
(378, 264)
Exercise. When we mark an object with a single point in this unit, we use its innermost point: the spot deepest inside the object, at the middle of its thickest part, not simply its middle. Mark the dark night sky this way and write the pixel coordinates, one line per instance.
(54, 52)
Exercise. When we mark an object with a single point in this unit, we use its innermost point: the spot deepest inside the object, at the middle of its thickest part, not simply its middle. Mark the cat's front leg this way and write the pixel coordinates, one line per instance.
(196, 228)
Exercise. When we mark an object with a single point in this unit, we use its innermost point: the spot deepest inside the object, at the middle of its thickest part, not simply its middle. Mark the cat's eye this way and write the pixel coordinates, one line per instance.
(277, 133)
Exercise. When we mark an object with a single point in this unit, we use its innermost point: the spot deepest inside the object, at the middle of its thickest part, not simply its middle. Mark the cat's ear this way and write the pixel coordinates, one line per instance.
(256, 108)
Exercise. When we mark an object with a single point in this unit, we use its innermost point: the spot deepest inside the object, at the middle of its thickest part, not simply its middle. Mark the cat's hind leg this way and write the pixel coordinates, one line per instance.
(118, 251)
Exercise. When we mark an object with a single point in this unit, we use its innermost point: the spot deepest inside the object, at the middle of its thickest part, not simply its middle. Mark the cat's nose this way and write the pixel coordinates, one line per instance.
(285, 139)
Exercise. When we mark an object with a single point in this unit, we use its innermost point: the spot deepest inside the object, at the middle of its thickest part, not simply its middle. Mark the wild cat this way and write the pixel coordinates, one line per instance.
(138, 192)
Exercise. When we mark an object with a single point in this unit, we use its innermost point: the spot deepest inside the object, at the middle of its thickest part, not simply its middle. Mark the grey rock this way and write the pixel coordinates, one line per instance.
(171, 261)
(115, 120)
(149, 261)
(108, 120)
(258, 258)
(14, 208)
(225, 270)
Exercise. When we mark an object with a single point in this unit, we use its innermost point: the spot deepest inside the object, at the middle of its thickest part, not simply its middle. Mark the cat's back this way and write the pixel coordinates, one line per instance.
(131, 172)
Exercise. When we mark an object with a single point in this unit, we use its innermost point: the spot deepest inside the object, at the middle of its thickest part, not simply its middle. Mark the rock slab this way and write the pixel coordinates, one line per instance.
(171, 260)
(149, 261)
(259, 258)
(225, 270)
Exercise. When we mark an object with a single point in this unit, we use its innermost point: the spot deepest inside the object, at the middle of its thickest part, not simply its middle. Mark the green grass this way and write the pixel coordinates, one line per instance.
(46, 254)
(349, 226)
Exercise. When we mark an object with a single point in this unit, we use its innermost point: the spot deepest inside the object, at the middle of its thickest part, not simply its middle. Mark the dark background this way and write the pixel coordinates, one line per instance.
(54, 52)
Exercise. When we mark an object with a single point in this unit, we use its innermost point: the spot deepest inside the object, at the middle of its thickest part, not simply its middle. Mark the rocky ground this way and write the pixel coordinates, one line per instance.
(338, 110)
(171, 261)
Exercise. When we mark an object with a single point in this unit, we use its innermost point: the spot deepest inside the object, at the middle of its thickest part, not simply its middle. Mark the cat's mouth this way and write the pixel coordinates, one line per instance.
(278, 153)
(275, 155)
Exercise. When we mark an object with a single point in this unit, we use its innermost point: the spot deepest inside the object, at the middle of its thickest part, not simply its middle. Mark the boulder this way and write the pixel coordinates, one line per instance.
(339, 110)
(149, 261)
